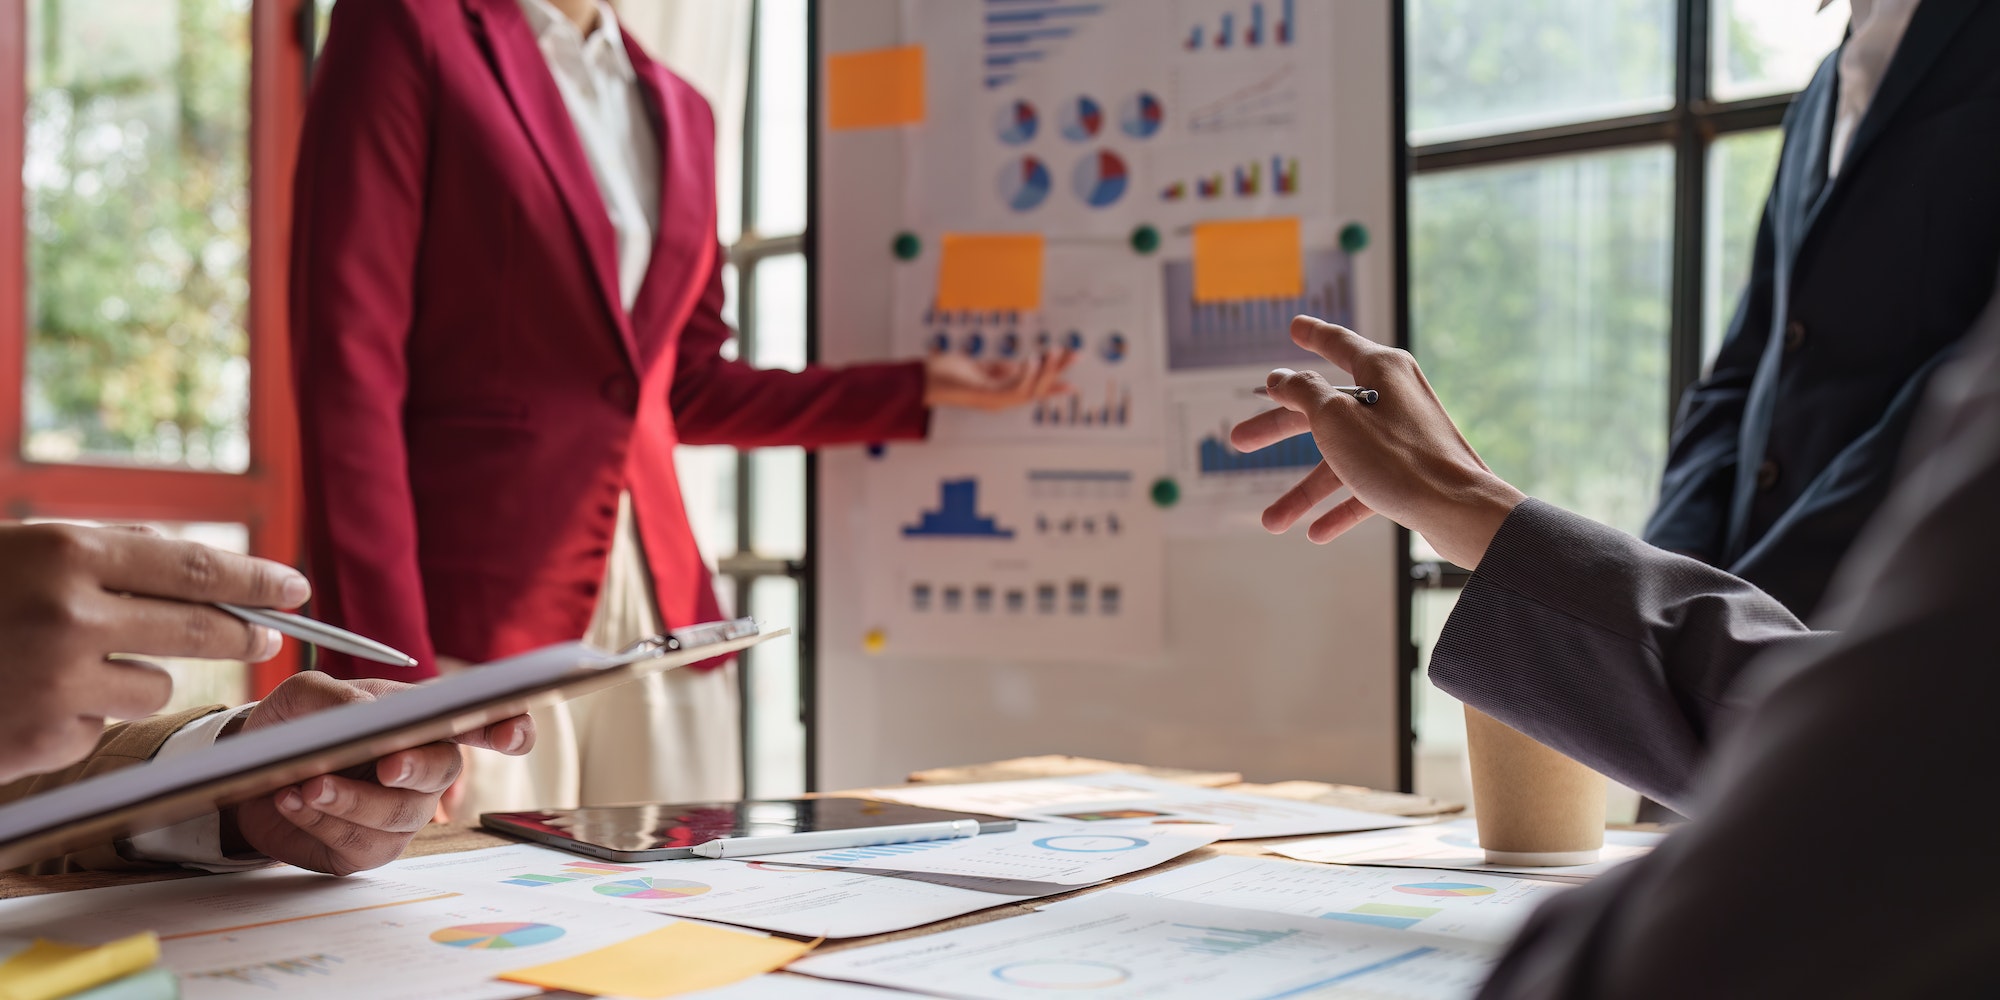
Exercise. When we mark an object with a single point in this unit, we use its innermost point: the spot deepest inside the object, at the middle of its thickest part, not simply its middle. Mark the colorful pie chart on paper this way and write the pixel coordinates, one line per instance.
(1024, 184)
(1082, 119)
(649, 888)
(1141, 116)
(1017, 123)
(486, 937)
(1100, 178)
(1445, 889)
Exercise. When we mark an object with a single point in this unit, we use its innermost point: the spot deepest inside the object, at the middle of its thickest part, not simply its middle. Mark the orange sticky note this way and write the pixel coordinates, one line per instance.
(677, 958)
(875, 89)
(1248, 259)
(990, 271)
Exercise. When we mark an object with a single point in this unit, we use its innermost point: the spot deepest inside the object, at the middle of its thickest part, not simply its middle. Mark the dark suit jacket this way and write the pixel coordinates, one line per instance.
(1848, 784)
(1858, 290)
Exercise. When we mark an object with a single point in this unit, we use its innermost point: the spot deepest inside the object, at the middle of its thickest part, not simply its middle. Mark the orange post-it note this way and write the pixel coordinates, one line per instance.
(678, 958)
(875, 89)
(1248, 259)
(989, 271)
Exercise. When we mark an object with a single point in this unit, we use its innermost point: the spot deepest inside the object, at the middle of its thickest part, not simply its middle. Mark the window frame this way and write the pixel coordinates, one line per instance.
(264, 497)
(1689, 128)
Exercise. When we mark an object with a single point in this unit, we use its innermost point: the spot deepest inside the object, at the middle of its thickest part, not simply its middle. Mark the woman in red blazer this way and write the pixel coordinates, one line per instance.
(493, 373)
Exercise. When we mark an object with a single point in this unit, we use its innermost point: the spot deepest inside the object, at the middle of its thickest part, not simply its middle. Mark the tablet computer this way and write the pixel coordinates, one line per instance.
(668, 832)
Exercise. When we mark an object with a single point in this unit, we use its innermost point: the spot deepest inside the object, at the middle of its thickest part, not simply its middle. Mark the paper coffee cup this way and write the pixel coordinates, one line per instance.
(1534, 806)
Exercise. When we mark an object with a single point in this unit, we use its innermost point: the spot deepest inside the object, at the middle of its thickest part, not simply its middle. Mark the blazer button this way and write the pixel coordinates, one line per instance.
(621, 391)
(1795, 336)
(1767, 475)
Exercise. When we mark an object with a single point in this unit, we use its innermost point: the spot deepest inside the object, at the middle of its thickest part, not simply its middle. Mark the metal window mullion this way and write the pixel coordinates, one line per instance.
(1690, 200)
(746, 349)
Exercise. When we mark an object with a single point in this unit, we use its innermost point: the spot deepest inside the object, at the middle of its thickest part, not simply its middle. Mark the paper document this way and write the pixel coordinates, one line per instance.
(809, 902)
(1115, 946)
(672, 960)
(1455, 846)
(1070, 854)
(784, 987)
(1096, 798)
(300, 934)
(1467, 907)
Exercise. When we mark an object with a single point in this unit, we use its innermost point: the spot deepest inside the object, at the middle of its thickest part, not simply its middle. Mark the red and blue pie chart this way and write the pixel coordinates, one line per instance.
(1141, 116)
(1024, 183)
(1017, 122)
(1082, 119)
(1100, 178)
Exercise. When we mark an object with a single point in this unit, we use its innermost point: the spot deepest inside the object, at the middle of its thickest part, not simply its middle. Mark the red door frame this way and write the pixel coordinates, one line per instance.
(267, 497)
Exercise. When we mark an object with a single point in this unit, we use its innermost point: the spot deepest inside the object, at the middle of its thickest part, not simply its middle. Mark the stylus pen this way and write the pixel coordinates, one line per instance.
(1368, 396)
(833, 840)
(321, 634)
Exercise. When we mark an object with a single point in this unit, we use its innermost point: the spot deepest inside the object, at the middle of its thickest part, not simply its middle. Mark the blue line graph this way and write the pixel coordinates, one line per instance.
(854, 854)
(1026, 31)
(1365, 970)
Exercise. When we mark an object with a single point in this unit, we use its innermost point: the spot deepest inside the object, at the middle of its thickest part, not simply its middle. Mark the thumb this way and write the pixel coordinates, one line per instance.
(1299, 391)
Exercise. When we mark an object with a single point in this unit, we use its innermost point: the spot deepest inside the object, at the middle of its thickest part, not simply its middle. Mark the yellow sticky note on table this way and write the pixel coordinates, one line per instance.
(875, 89)
(677, 958)
(1248, 259)
(46, 969)
(990, 271)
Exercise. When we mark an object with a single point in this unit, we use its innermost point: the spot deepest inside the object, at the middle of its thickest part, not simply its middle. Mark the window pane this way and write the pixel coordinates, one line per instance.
(708, 490)
(135, 180)
(781, 313)
(777, 737)
(1763, 47)
(1539, 301)
(781, 117)
(1480, 68)
(1740, 170)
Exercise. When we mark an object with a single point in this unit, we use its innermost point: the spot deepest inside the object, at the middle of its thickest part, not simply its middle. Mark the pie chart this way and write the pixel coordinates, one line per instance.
(1116, 347)
(649, 888)
(1016, 123)
(493, 936)
(1100, 178)
(1024, 183)
(1081, 119)
(1445, 889)
(1140, 117)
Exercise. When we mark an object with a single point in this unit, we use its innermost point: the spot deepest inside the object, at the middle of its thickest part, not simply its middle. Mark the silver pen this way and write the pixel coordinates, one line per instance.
(1367, 396)
(321, 634)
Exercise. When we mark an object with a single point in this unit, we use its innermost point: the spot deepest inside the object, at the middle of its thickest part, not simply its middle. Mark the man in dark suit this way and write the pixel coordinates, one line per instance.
(1877, 250)
(1799, 876)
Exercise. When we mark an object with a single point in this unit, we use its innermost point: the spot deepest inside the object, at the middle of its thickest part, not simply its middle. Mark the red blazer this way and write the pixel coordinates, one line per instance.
(472, 394)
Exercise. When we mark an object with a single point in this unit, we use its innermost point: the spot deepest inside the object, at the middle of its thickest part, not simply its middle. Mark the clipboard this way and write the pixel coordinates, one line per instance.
(148, 796)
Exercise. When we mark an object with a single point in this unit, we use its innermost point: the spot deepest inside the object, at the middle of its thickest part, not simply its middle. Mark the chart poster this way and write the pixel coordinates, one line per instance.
(1015, 553)
(1103, 306)
(1252, 331)
(1098, 117)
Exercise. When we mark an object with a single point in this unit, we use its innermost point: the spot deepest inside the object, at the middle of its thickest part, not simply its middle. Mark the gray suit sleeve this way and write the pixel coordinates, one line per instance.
(1848, 800)
(1618, 654)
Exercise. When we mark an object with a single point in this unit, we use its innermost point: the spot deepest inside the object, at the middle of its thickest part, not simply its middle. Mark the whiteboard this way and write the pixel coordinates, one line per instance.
(1276, 658)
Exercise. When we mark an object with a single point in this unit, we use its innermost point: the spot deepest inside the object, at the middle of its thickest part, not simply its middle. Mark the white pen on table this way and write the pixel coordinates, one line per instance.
(833, 840)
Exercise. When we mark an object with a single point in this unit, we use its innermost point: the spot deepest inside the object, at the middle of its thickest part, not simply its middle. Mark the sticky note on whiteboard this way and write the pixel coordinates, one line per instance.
(990, 271)
(875, 89)
(1242, 259)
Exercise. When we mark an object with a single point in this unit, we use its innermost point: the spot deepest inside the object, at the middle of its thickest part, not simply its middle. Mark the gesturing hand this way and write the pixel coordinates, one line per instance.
(956, 380)
(71, 597)
(341, 824)
(1401, 457)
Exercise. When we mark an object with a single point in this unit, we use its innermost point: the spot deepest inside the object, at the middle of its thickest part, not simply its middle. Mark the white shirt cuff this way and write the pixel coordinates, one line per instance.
(196, 843)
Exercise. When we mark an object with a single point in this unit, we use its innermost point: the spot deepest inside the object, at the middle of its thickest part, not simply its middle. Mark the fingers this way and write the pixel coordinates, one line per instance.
(175, 628)
(334, 844)
(1268, 428)
(308, 692)
(512, 737)
(1337, 344)
(1303, 392)
(1299, 501)
(1336, 522)
(130, 689)
(362, 803)
(136, 563)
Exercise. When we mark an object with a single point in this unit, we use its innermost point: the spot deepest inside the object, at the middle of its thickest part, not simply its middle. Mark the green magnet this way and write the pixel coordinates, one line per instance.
(1145, 239)
(1166, 492)
(1354, 237)
(907, 246)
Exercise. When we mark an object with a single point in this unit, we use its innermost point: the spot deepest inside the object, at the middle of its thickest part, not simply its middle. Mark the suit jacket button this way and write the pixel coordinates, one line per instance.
(1767, 475)
(621, 391)
(1795, 335)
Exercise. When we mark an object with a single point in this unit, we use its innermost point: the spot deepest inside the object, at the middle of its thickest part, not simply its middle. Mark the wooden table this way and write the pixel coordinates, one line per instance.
(450, 839)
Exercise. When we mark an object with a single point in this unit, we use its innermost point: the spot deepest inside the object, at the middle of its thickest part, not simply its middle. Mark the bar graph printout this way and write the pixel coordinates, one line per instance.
(1115, 946)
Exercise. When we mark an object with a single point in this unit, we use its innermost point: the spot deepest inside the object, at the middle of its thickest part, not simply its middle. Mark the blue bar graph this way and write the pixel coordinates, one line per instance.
(1226, 941)
(1218, 458)
(957, 515)
(1025, 31)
